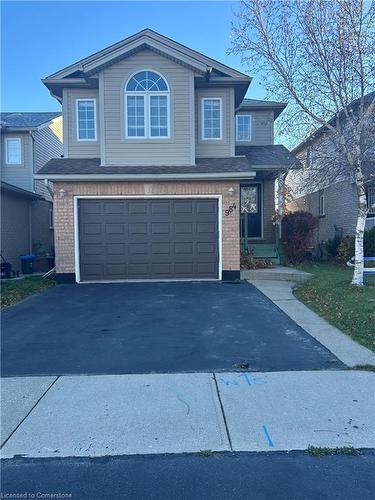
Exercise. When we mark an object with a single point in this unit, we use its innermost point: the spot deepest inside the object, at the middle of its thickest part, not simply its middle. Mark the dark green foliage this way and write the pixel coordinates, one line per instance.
(346, 248)
(297, 231)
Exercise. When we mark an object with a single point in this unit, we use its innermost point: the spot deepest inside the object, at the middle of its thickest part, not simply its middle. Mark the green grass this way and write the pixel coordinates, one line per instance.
(16, 290)
(316, 451)
(330, 294)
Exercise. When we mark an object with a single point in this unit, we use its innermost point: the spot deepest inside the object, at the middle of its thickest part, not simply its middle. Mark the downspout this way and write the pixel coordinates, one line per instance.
(30, 228)
(48, 187)
(32, 139)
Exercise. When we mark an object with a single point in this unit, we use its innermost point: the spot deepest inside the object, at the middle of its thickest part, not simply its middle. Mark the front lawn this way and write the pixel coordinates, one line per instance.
(330, 294)
(15, 290)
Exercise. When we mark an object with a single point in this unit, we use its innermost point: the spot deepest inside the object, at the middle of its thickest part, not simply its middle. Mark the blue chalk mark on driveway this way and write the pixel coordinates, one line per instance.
(270, 442)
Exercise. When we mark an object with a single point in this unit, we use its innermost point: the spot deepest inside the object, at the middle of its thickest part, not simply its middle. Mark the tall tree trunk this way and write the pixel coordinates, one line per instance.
(360, 229)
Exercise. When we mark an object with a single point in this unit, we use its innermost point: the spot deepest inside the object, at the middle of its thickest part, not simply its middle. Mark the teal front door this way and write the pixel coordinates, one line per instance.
(251, 212)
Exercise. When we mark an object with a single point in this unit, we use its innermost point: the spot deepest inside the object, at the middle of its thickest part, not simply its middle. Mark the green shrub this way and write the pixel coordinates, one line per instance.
(346, 248)
(297, 231)
(332, 245)
(248, 261)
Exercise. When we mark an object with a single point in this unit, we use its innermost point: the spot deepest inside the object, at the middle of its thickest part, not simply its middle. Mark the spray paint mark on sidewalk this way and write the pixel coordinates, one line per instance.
(270, 442)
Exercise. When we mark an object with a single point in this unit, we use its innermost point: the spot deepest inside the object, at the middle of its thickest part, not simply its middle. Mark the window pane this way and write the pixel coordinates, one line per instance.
(86, 120)
(211, 119)
(147, 81)
(136, 113)
(243, 128)
(158, 116)
(249, 199)
(13, 151)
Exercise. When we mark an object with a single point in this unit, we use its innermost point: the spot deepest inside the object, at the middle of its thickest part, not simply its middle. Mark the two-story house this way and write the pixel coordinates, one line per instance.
(28, 141)
(330, 192)
(165, 166)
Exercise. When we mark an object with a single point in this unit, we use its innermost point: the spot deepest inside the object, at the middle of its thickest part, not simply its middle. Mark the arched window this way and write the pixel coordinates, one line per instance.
(147, 106)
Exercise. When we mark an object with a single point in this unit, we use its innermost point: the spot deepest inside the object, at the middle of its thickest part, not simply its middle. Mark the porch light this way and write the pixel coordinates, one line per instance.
(62, 193)
(231, 191)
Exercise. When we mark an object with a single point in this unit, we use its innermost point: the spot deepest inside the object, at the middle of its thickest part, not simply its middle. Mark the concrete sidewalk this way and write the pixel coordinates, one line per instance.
(177, 413)
(342, 346)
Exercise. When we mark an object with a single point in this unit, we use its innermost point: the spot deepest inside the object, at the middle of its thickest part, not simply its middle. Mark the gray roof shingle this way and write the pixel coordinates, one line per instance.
(247, 158)
(273, 155)
(26, 120)
(82, 166)
(277, 107)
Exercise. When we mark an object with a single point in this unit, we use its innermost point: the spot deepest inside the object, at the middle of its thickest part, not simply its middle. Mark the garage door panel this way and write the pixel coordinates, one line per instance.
(137, 208)
(140, 248)
(162, 208)
(160, 228)
(139, 228)
(148, 239)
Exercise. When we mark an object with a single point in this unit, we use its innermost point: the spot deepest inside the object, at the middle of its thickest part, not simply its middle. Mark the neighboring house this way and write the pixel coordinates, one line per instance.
(28, 140)
(163, 157)
(333, 200)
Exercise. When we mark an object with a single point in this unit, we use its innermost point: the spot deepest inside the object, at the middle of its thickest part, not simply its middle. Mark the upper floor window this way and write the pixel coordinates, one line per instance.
(86, 119)
(147, 106)
(13, 151)
(321, 208)
(211, 118)
(243, 128)
(371, 200)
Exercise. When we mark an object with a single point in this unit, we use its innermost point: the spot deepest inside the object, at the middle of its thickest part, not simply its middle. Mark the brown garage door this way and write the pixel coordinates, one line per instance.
(148, 239)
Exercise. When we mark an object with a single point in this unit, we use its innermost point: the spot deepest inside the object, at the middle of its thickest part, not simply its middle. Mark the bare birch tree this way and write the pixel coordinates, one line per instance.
(318, 55)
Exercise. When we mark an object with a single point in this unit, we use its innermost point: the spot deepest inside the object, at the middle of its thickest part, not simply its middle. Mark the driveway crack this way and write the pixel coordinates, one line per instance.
(223, 412)
(28, 413)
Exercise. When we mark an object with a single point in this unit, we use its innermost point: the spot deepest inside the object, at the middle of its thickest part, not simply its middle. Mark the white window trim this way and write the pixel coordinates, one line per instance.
(250, 128)
(322, 212)
(220, 99)
(93, 99)
(147, 100)
(6, 150)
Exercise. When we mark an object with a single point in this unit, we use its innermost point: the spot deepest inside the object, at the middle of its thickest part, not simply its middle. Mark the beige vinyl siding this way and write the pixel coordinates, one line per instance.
(224, 146)
(262, 127)
(176, 150)
(48, 143)
(18, 175)
(72, 147)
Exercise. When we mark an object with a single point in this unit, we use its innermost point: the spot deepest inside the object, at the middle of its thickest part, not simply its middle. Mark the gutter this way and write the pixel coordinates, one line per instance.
(147, 177)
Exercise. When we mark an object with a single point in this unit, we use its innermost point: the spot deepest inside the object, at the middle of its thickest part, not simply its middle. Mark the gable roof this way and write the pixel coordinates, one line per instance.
(319, 131)
(250, 104)
(150, 39)
(26, 120)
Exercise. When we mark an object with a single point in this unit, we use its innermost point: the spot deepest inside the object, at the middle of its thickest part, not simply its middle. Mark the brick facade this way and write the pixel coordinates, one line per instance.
(64, 212)
(340, 201)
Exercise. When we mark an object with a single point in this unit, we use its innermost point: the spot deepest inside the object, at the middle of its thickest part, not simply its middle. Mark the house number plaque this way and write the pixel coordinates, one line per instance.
(230, 209)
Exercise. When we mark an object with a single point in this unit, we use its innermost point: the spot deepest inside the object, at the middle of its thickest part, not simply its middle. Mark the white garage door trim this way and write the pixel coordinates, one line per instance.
(142, 197)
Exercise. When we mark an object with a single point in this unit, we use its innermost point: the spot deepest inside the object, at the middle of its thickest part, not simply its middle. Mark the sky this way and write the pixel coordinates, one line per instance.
(41, 37)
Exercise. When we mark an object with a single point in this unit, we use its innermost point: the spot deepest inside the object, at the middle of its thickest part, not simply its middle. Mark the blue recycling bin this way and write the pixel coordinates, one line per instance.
(27, 263)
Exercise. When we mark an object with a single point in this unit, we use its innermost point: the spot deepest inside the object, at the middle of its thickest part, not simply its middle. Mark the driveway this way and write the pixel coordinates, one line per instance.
(154, 327)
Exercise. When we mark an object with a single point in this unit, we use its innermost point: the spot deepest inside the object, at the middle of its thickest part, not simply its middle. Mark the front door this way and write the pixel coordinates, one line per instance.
(251, 211)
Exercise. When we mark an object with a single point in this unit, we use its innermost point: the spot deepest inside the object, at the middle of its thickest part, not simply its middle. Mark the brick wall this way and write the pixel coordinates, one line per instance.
(64, 208)
(340, 209)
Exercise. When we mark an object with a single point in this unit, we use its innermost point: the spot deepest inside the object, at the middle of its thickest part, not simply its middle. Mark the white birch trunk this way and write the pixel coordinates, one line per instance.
(357, 279)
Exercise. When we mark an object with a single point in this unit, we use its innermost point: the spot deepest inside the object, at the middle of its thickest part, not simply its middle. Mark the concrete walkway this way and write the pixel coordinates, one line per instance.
(342, 346)
(178, 413)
